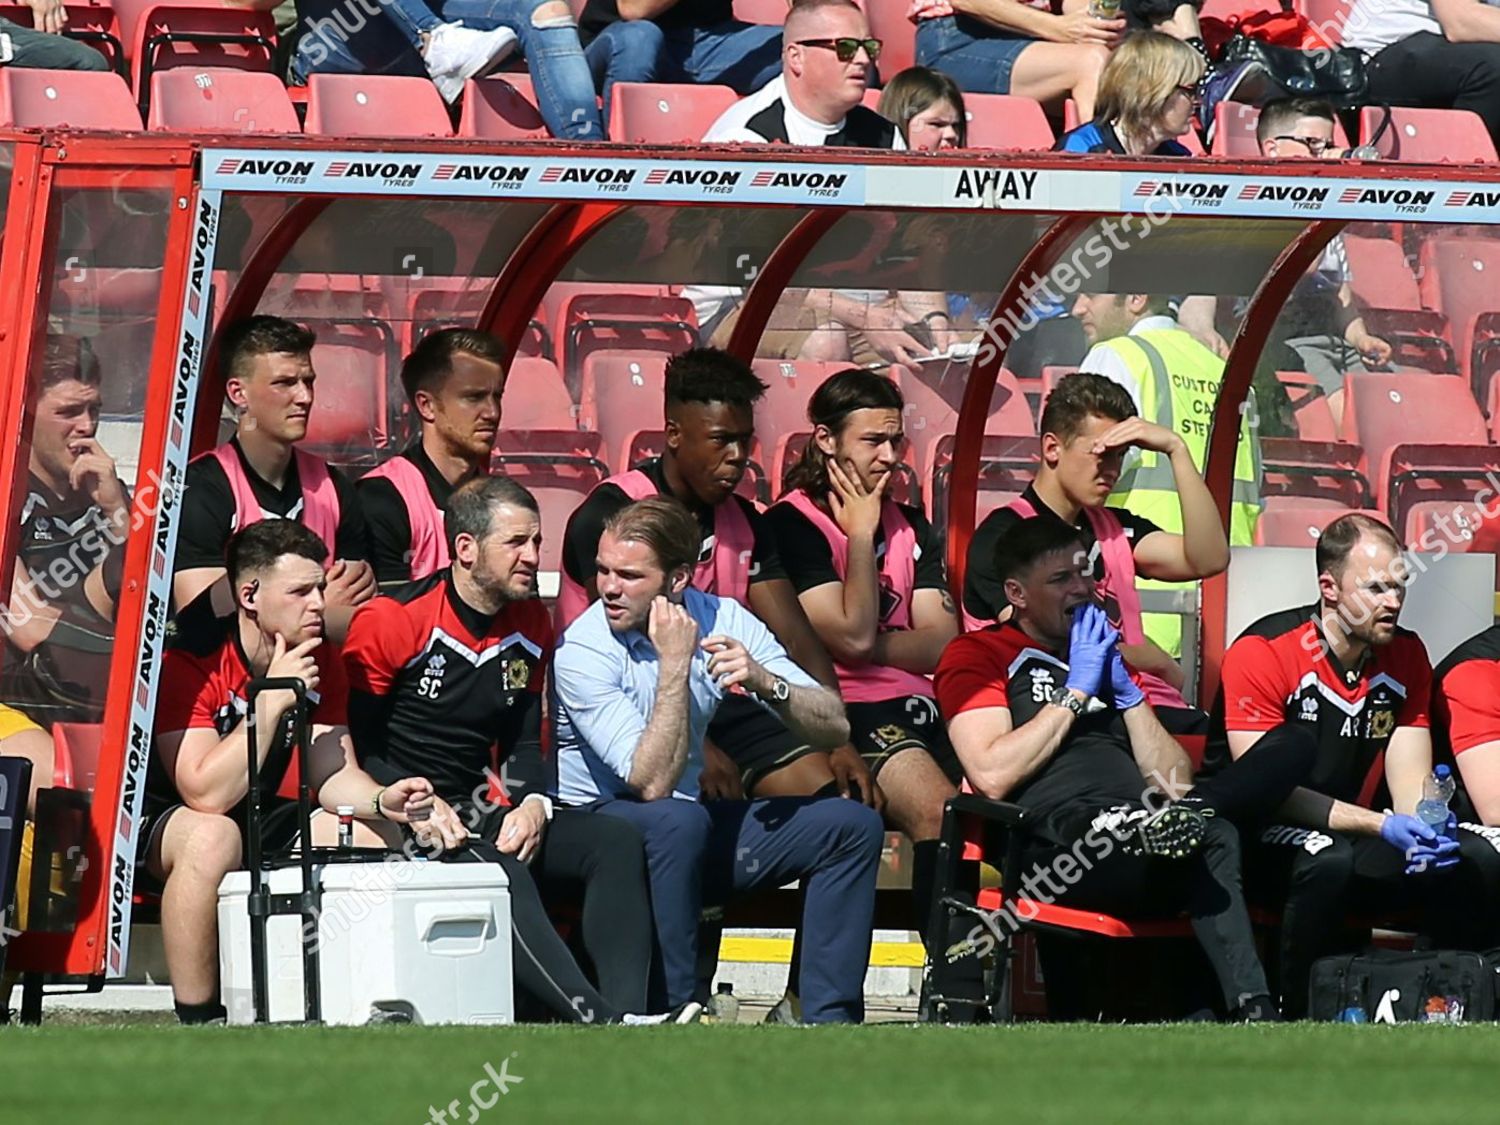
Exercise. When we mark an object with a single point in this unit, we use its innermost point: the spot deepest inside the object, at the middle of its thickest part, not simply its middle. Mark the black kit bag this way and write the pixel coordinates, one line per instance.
(1337, 76)
(1387, 986)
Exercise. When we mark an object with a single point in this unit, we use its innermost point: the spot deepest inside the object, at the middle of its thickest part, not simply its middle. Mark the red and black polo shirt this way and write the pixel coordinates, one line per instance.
(1281, 670)
(436, 687)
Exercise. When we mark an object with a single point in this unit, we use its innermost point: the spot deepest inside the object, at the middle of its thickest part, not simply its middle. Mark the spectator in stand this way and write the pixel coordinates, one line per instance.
(696, 41)
(1148, 95)
(1323, 322)
(1018, 47)
(452, 41)
(1432, 53)
(928, 107)
(827, 57)
(45, 45)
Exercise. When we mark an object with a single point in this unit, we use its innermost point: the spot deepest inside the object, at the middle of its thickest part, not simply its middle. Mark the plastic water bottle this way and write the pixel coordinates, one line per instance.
(1437, 791)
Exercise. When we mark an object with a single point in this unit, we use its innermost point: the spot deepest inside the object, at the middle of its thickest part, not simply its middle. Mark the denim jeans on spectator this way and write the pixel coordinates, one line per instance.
(974, 54)
(743, 56)
(384, 45)
(44, 51)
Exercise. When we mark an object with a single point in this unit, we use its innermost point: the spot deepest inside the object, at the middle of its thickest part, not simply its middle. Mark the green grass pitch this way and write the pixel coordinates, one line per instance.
(886, 1073)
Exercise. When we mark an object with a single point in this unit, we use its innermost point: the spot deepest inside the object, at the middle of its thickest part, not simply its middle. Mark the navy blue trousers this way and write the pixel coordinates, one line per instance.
(708, 852)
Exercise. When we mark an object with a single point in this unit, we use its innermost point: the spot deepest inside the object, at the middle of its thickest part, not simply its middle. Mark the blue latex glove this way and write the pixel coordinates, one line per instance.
(1126, 692)
(1422, 847)
(1089, 649)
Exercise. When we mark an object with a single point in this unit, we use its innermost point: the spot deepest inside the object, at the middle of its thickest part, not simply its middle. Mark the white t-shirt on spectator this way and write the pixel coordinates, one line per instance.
(770, 104)
(1373, 25)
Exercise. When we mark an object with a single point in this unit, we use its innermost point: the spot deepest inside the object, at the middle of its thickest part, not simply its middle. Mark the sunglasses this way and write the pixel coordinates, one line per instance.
(1191, 93)
(1317, 146)
(845, 48)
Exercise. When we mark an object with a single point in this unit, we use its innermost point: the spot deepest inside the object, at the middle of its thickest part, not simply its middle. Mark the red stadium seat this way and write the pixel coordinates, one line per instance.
(502, 108)
(771, 12)
(1298, 521)
(75, 755)
(1330, 17)
(1434, 493)
(1427, 136)
(458, 306)
(1006, 123)
(621, 321)
(94, 24)
(220, 101)
(1314, 469)
(1379, 273)
(1228, 10)
(350, 423)
(198, 35)
(79, 99)
(1234, 130)
(655, 113)
(559, 476)
(535, 398)
(1456, 278)
(933, 395)
(364, 105)
(1384, 412)
(623, 394)
(1315, 421)
(889, 24)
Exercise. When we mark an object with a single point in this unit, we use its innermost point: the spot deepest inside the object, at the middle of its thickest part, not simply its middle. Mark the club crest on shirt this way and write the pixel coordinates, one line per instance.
(517, 674)
(1382, 723)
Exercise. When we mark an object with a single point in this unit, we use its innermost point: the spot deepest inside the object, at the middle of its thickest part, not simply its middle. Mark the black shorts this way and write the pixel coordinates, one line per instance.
(882, 730)
(756, 741)
(278, 833)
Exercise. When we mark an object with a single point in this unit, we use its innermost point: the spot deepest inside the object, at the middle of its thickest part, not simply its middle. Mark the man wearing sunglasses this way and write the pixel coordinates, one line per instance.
(827, 58)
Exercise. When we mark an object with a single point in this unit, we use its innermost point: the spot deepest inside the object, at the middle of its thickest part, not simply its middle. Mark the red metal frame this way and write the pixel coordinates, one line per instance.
(1218, 467)
(968, 435)
(244, 298)
(775, 275)
(82, 950)
(534, 265)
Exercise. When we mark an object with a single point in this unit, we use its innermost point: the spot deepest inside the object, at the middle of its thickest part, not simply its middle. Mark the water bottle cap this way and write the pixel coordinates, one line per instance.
(1442, 772)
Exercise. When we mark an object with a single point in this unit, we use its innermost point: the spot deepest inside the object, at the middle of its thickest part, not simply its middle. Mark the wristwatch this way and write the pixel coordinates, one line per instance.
(781, 691)
(545, 801)
(1064, 697)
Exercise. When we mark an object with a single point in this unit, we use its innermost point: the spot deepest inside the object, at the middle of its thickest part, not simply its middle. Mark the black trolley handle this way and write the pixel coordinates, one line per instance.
(260, 904)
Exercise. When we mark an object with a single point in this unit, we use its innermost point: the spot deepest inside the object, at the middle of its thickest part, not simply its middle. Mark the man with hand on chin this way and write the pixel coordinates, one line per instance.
(1044, 713)
(635, 688)
(197, 782)
(60, 621)
(446, 678)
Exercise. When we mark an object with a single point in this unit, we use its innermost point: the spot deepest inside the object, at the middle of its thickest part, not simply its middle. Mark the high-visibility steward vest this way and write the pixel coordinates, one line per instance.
(875, 683)
(429, 536)
(320, 499)
(726, 572)
(1179, 381)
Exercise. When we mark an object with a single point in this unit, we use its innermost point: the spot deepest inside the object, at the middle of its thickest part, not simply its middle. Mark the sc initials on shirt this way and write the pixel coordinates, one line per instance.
(431, 682)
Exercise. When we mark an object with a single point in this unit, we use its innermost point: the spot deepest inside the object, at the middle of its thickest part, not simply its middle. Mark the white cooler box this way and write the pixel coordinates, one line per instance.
(428, 939)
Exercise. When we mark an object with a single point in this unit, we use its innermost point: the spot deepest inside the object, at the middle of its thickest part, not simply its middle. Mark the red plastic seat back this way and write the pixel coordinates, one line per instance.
(502, 108)
(655, 113)
(365, 105)
(220, 100)
(1427, 136)
(80, 99)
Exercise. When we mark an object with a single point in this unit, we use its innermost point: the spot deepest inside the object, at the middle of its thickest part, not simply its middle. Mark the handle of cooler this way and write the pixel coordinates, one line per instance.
(259, 902)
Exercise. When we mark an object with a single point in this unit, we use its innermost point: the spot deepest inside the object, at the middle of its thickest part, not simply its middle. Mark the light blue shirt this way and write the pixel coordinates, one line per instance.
(604, 689)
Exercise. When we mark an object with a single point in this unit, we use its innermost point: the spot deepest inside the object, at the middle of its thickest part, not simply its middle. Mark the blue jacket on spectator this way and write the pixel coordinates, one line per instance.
(1100, 136)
